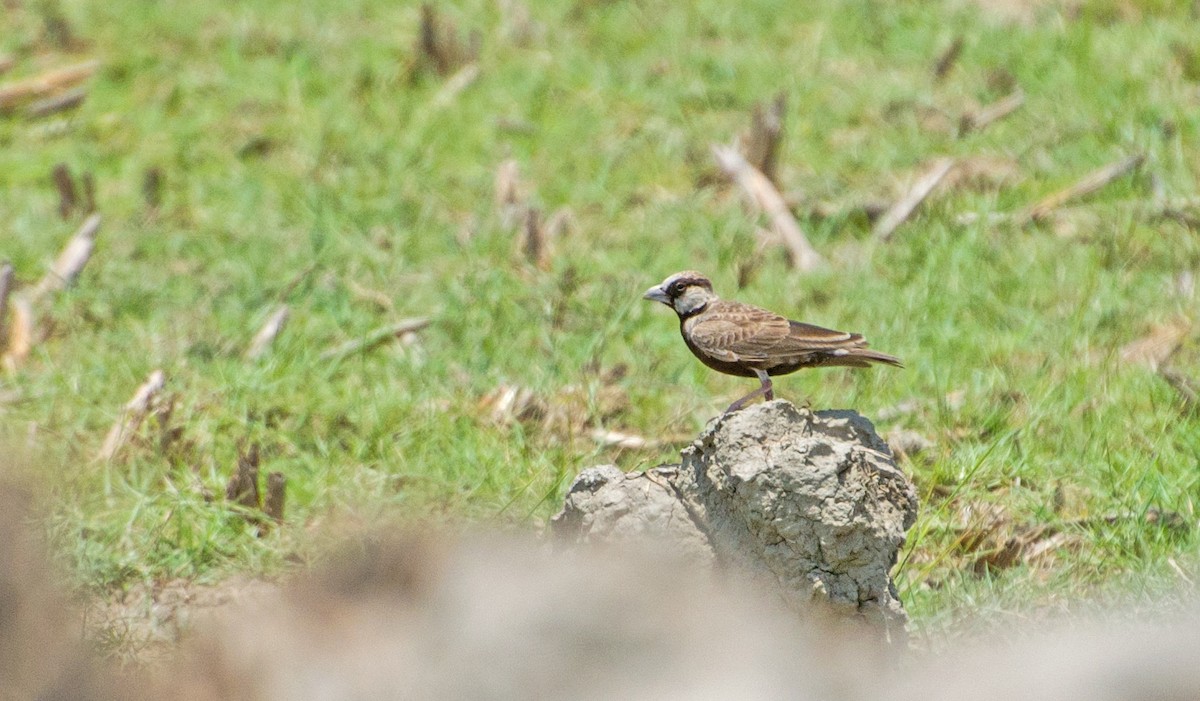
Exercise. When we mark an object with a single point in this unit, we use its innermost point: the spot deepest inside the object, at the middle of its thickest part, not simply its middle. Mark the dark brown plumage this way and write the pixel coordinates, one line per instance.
(748, 341)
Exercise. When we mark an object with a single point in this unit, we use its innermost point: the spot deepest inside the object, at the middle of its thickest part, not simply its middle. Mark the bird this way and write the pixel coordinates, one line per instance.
(748, 341)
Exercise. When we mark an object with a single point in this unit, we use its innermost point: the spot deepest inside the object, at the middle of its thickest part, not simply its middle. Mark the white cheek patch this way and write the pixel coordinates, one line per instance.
(690, 300)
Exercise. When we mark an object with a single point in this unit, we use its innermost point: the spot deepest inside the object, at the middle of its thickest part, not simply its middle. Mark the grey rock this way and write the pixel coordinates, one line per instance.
(605, 505)
(808, 504)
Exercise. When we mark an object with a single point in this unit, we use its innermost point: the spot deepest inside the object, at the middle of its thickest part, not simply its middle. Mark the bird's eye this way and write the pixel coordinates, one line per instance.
(676, 288)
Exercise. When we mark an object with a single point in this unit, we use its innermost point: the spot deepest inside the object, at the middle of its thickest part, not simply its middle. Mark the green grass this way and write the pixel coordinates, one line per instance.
(304, 159)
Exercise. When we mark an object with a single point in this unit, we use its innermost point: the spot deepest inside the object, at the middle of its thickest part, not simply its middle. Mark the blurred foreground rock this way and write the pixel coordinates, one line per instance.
(502, 618)
(475, 617)
(810, 506)
(41, 653)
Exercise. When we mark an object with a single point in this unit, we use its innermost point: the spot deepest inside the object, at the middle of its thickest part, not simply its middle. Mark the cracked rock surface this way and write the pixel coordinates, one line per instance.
(810, 504)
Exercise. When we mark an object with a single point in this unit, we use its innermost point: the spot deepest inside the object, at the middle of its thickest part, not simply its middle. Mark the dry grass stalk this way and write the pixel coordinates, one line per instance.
(22, 335)
(377, 337)
(47, 83)
(67, 100)
(291, 285)
(760, 144)
(1028, 544)
(981, 118)
(907, 444)
(19, 341)
(868, 209)
(560, 224)
(242, 488)
(458, 82)
(428, 41)
(987, 218)
(375, 297)
(513, 209)
(625, 441)
(135, 411)
(1092, 182)
(1183, 285)
(68, 200)
(276, 496)
(759, 189)
(948, 58)
(440, 46)
(71, 261)
(152, 186)
(1156, 347)
(1186, 387)
(996, 541)
(511, 403)
(534, 241)
(507, 185)
(266, 335)
(519, 26)
(982, 174)
(1183, 211)
(903, 208)
(570, 412)
(89, 193)
(168, 435)
(6, 280)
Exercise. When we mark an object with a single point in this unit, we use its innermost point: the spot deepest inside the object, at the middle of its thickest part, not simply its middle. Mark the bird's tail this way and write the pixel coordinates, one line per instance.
(863, 357)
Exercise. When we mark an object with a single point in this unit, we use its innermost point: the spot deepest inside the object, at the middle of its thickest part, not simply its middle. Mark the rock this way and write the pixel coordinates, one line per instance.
(425, 616)
(41, 653)
(606, 505)
(504, 618)
(808, 504)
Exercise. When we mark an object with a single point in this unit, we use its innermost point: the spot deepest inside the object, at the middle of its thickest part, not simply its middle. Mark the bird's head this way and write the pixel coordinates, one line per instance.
(687, 292)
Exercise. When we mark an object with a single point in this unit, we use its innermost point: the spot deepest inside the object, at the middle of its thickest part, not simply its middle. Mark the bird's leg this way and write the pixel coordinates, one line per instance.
(765, 379)
(765, 390)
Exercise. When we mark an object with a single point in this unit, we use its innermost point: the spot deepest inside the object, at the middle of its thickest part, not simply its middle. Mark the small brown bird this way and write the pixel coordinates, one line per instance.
(747, 341)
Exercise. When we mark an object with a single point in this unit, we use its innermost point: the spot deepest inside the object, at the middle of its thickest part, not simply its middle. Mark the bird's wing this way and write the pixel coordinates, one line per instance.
(802, 336)
(739, 332)
(736, 332)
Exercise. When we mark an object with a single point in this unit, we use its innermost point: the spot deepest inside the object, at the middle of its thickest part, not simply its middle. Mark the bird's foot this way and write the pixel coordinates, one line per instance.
(766, 391)
(760, 392)
(735, 406)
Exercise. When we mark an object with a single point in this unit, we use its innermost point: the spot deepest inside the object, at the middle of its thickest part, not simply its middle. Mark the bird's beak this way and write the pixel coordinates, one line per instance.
(657, 294)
